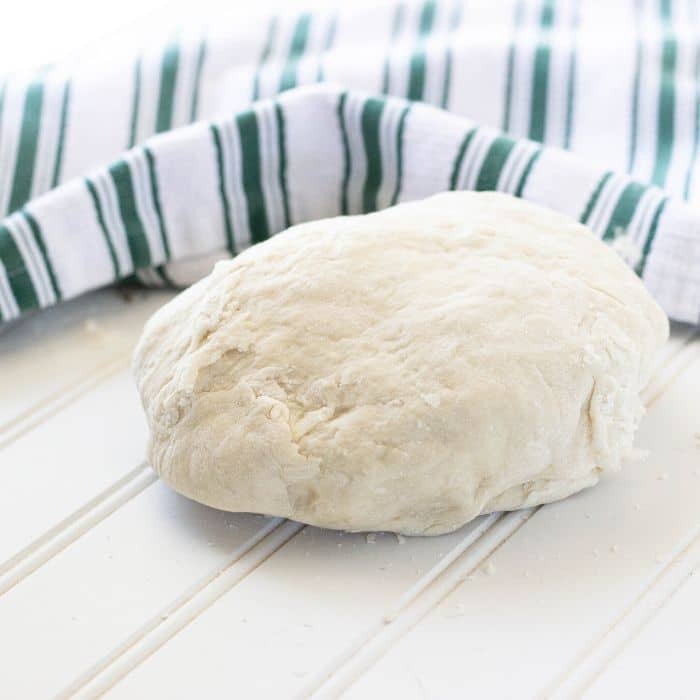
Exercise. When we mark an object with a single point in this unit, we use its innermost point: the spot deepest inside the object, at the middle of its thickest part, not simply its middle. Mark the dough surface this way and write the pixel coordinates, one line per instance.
(404, 371)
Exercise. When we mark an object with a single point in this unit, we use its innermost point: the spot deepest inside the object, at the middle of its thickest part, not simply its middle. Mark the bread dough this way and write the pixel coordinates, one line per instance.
(405, 371)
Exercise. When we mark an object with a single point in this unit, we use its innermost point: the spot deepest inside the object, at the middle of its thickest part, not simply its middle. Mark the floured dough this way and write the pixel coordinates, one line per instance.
(403, 371)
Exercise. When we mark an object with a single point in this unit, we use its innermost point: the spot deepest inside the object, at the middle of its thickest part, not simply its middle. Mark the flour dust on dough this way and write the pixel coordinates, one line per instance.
(403, 371)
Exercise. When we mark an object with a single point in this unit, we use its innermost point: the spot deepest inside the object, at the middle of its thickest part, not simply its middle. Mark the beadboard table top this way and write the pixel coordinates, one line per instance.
(111, 584)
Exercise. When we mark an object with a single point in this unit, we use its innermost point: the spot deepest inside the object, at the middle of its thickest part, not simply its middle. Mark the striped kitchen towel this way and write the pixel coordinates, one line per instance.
(591, 108)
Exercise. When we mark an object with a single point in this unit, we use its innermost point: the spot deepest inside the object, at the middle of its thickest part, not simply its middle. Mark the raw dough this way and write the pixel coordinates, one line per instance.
(405, 370)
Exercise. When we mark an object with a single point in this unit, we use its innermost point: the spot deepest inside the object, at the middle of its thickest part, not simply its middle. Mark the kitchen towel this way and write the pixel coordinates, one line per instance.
(161, 160)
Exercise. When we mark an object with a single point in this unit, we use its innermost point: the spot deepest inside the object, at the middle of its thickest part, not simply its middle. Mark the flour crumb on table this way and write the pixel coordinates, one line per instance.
(457, 611)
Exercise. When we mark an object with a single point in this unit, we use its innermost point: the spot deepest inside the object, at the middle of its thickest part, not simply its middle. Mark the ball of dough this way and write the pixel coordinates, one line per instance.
(404, 371)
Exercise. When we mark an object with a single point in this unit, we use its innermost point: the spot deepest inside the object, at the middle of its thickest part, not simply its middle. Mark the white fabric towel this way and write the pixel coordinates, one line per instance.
(89, 195)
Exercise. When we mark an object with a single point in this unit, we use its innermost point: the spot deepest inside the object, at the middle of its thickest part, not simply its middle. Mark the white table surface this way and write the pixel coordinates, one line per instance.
(112, 584)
